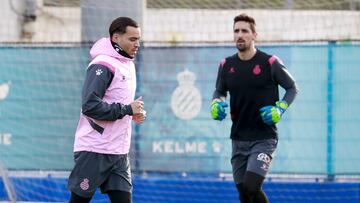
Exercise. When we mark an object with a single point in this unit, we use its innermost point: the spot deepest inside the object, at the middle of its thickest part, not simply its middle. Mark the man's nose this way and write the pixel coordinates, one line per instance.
(137, 44)
(239, 35)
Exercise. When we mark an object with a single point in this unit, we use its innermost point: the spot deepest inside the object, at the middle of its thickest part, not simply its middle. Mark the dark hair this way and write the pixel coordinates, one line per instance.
(246, 18)
(119, 25)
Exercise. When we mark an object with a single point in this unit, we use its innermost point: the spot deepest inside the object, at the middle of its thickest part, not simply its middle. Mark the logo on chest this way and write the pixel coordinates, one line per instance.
(231, 70)
(256, 70)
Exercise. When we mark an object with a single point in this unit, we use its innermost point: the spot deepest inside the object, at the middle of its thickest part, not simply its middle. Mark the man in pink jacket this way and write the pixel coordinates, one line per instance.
(103, 134)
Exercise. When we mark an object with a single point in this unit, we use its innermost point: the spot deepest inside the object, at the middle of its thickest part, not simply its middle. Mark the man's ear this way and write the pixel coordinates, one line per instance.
(115, 37)
(255, 36)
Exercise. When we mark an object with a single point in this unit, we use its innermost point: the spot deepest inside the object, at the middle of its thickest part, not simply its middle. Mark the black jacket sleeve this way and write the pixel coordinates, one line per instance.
(282, 76)
(97, 80)
(220, 87)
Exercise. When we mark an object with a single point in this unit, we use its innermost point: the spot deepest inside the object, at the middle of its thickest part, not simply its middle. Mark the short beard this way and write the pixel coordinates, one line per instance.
(242, 49)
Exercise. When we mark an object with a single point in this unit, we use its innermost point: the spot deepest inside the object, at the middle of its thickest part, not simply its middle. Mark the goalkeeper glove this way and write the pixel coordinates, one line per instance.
(272, 114)
(218, 110)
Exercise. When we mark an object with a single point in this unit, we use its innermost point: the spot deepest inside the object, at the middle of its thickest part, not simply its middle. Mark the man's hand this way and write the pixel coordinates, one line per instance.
(218, 110)
(137, 106)
(140, 117)
(272, 114)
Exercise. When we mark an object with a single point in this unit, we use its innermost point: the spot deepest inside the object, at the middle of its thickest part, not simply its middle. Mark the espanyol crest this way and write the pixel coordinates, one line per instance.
(186, 99)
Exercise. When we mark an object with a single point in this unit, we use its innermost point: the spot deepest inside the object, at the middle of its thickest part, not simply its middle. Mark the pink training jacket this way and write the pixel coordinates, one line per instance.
(116, 136)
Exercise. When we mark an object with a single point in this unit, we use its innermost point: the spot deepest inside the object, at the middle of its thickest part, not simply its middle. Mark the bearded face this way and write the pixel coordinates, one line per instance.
(243, 36)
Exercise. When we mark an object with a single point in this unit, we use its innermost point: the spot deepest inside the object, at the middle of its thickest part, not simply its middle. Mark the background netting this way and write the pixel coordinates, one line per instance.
(44, 47)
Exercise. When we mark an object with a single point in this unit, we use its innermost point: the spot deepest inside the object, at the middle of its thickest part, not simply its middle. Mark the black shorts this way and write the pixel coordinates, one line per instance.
(93, 170)
(254, 156)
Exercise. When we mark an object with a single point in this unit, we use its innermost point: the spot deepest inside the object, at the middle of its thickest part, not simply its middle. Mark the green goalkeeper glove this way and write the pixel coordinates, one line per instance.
(218, 110)
(272, 114)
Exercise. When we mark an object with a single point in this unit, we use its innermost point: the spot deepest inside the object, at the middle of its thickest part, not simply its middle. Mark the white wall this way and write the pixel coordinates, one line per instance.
(276, 25)
(52, 24)
(97, 15)
(9, 21)
(58, 24)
